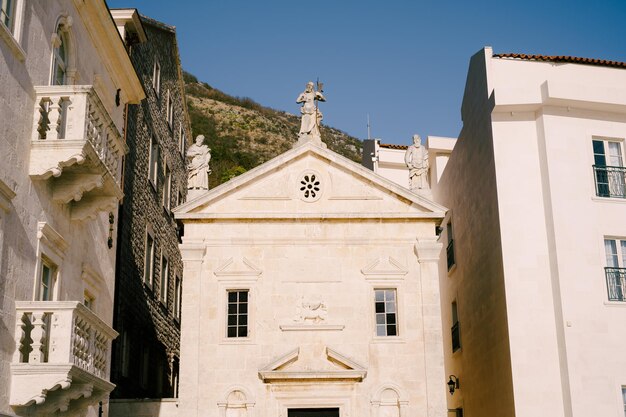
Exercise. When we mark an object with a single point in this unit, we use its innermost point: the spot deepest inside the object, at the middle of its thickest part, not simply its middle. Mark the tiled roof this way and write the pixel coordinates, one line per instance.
(392, 146)
(564, 58)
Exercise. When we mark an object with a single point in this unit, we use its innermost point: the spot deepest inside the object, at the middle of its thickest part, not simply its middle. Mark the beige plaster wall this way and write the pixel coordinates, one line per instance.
(468, 187)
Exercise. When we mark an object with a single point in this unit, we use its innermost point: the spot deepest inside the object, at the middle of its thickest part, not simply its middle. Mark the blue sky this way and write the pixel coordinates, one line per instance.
(403, 62)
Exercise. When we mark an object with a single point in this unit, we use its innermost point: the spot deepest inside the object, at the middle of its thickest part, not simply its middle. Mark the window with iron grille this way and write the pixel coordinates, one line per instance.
(386, 312)
(609, 170)
(615, 269)
(237, 313)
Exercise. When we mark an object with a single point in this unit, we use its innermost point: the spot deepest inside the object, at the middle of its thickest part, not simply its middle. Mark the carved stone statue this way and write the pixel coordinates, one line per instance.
(311, 116)
(198, 168)
(416, 158)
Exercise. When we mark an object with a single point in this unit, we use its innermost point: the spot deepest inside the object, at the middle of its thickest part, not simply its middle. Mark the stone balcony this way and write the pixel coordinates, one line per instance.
(61, 359)
(77, 147)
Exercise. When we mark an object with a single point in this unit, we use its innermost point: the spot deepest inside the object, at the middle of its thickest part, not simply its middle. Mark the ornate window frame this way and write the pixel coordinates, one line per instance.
(51, 248)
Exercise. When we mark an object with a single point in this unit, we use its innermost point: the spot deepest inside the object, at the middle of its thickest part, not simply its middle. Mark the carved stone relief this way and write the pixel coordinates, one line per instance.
(311, 309)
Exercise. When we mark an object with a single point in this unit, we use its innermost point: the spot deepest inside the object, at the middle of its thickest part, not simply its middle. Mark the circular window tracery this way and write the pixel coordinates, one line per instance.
(310, 186)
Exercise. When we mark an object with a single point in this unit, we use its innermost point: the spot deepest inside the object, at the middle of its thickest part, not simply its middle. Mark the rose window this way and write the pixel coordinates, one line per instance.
(310, 189)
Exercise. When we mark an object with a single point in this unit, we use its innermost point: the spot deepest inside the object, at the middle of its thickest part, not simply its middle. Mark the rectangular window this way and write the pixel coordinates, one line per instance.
(145, 366)
(177, 298)
(126, 343)
(170, 110)
(156, 77)
(459, 412)
(167, 189)
(179, 200)
(609, 168)
(615, 270)
(237, 313)
(386, 312)
(450, 247)
(456, 330)
(7, 14)
(165, 279)
(47, 281)
(154, 161)
(181, 140)
(148, 273)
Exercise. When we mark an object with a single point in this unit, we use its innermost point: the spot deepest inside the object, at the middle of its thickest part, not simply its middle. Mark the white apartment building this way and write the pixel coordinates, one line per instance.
(65, 79)
(533, 279)
(311, 290)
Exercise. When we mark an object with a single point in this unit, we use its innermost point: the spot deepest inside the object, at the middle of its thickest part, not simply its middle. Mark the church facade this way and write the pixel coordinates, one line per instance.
(311, 289)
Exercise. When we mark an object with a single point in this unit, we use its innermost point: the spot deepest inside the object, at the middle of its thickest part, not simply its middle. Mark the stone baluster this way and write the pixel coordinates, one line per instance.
(22, 332)
(39, 336)
(40, 119)
(54, 116)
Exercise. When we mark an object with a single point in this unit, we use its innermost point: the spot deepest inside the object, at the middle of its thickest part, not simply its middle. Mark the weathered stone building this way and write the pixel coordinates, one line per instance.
(149, 271)
(65, 79)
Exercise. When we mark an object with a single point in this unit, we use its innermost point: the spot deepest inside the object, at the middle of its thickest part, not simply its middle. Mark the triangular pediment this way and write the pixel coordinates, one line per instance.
(237, 267)
(313, 365)
(309, 182)
(384, 267)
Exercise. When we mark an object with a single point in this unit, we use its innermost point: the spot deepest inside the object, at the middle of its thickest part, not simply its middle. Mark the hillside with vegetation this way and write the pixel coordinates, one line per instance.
(243, 134)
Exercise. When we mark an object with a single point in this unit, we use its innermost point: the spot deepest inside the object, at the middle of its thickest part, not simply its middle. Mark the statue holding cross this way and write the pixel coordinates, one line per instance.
(311, 115)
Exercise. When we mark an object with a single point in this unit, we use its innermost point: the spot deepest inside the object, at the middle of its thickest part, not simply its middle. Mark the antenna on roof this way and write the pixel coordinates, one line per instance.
(368, 126)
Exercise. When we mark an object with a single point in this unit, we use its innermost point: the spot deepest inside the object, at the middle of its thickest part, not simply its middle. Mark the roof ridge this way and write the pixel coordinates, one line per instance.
(563, 58)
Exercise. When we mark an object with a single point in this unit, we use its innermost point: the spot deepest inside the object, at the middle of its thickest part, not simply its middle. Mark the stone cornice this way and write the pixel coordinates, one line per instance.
(6, 195)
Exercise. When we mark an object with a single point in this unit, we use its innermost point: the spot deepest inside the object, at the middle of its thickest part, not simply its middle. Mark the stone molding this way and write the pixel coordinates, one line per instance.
(310, 327)
(384, 268)
(240, 269)
(192, 252)
(428, 250)
(351, 371)
(6, 195)
(52, 239)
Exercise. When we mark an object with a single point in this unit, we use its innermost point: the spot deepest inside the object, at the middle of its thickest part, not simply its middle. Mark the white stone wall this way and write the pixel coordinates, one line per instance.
(535, 320)
(87, 251)
(285, 260)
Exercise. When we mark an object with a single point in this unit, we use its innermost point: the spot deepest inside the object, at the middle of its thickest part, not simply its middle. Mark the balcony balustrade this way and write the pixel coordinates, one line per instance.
(616, 283)
(62, 355)
(76, 143)
(610, 181)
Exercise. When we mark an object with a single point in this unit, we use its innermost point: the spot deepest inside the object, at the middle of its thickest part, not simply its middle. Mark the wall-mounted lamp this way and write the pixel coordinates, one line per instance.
(453, 384)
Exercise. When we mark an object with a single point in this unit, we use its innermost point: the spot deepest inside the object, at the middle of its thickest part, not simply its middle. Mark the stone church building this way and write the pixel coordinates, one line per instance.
(311, 289)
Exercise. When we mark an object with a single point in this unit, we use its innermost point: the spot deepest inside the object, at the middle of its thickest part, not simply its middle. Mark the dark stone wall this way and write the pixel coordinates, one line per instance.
(145, 355)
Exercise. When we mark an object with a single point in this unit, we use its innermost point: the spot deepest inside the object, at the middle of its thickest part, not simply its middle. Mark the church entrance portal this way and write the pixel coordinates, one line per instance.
(313, 412)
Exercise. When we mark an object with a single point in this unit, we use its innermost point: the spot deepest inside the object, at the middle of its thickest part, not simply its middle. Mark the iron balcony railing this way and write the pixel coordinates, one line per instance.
(456, 337)
(610, 181)
(616, 283)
